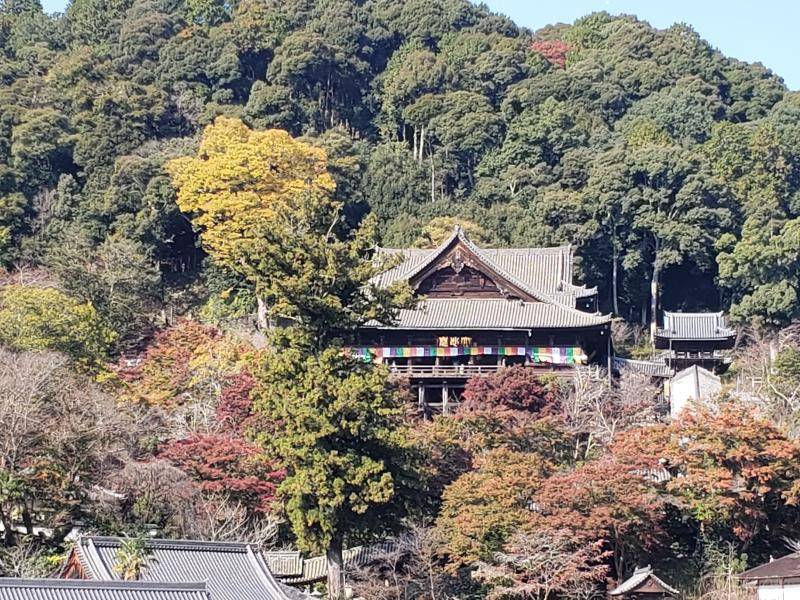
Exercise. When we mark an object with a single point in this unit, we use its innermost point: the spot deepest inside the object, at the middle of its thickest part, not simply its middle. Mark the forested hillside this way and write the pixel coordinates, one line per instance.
(658, 157)
(191, 193)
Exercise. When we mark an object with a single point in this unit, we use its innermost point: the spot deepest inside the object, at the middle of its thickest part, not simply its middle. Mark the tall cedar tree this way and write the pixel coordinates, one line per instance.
(339, 431)
(264, 205)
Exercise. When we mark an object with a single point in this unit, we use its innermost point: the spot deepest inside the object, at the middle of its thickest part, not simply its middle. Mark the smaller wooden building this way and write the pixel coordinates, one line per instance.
(776, 580)
(702, 339)
(642, 585)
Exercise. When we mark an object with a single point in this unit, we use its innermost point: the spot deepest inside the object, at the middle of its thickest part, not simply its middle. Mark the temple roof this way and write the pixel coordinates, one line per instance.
(654, 368)
(546, 273)
(781, 568)
(695, 326)
(231, 570)
(540, 278)
(472, 314)
(292, 568)
(75, 589)
(638, 579)
(697, 374)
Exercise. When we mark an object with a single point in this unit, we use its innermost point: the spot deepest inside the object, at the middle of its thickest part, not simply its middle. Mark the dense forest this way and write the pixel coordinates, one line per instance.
(141, 391)
(659, 158)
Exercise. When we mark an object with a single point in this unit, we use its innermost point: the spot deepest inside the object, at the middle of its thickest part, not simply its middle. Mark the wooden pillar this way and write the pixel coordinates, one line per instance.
(444, 398)
(421, 397)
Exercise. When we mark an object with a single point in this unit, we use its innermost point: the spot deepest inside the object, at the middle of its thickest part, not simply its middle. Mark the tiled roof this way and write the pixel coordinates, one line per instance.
(292, 568)
(543, 274)
(695, 326)
(785, 567)
(232, 570)
(546, 273)
(74, 589)
(648, 367)
(456, 313)
(639, 576)
(697, 373)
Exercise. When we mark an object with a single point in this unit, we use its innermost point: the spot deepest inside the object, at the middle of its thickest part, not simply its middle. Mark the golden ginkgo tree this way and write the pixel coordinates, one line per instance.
(242, 180)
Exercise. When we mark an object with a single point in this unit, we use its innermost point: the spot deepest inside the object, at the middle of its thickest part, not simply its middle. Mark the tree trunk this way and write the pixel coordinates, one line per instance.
(8, 529)
(335, 570)
(27, 520)
(654, 301)
(421, 143)
(615, 280)
(433, 181)
(643, 310)
(261, 315)
(619, 561)
(415, 141)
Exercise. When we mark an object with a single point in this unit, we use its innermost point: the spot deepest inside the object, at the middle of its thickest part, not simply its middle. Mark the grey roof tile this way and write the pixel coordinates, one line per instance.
(695, 326)
(781, 568)
(698, 373)
(470, 314)
(72, 589)
(639, 576)
(546, 273)
(653, 368)
(232, 570)
(316, 568)
(543, 273)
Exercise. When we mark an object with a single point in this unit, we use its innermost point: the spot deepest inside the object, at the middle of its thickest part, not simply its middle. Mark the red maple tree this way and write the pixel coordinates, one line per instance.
(729, 468)
(554, 51)
(228, 465)
(516, 388)
(603, 501)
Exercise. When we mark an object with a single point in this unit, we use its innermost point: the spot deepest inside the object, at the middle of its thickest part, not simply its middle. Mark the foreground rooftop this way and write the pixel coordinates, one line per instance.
(72, 589)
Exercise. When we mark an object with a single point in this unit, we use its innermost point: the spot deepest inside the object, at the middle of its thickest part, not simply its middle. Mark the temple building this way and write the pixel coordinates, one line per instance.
(481, 309)
(693, 384)
(778, 579)
(701, 339)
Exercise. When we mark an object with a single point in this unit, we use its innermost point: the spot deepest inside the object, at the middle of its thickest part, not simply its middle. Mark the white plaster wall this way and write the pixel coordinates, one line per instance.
(683, 391)
(779, 592)
(680, 393)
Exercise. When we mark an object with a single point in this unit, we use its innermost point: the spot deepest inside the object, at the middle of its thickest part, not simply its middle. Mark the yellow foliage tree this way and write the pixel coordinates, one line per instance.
(47, 319)
(439, 229)
(239, 181)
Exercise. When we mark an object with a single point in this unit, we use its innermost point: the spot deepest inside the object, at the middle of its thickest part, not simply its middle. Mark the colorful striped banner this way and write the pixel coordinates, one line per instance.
(556, 355)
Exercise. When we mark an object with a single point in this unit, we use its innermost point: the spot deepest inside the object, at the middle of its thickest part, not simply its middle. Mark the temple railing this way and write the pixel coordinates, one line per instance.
(720, 355)
(466, 371)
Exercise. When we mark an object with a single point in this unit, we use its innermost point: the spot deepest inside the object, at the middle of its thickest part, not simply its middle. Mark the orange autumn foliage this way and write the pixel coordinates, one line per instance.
(731, 469)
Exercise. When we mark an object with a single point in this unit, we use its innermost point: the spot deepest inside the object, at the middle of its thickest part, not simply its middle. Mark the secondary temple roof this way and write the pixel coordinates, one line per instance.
(230, 570)
(645, 582)
(63, 589)
(787, 567)
(695, 326)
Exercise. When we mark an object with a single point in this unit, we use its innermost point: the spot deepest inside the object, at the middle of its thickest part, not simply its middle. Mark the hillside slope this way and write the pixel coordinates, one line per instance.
(660, 158)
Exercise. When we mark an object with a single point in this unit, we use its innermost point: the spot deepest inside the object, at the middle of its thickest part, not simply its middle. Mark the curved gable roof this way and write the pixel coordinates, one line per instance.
(639, 578)
(543, 273)
(231, 570)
